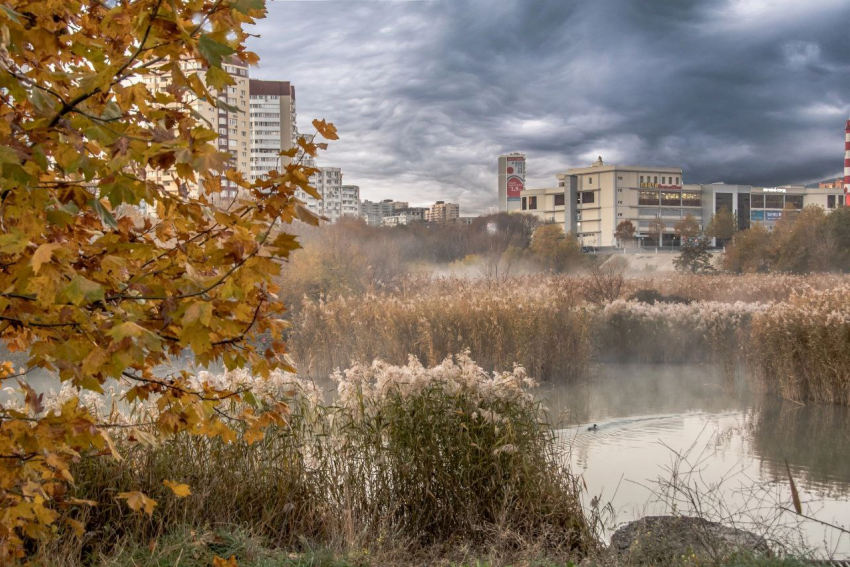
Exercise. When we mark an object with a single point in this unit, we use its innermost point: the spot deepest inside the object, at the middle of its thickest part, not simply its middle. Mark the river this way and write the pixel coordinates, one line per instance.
(673, 437)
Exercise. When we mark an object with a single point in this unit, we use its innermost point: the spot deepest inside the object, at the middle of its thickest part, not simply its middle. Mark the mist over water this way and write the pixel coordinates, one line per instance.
(664, 423)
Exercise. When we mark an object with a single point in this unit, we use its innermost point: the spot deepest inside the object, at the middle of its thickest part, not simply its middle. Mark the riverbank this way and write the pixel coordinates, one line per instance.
(201, 548)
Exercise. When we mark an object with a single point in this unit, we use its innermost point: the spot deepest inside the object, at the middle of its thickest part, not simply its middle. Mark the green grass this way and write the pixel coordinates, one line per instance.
(193, 548)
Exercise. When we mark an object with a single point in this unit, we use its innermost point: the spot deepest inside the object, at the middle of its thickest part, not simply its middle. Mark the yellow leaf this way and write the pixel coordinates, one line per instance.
(43, 255)
(325, 129)
(78, 527)
(138, 501)
(179, 490)
(111, 445)
(219, 562)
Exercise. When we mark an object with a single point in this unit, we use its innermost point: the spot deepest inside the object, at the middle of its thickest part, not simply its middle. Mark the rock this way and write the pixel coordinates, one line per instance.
(674, 540)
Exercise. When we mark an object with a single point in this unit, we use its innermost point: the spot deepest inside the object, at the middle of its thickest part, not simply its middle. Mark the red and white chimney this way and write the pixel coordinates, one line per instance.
(847, 164)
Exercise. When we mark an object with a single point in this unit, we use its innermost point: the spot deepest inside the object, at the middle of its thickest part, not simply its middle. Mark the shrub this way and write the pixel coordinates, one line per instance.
(442, 455)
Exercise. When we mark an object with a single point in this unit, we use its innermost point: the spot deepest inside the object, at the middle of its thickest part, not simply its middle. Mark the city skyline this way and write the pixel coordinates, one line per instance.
(426, 95)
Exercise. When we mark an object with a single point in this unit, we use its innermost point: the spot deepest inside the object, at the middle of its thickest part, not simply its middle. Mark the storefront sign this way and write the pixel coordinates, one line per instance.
(772, 215)
(774, 190)
(757, 216)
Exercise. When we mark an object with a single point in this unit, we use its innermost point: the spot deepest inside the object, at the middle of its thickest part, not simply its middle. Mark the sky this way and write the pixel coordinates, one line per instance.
(427, 94)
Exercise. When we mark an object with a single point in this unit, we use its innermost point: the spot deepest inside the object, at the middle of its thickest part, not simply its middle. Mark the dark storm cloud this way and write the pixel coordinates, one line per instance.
(427, 94)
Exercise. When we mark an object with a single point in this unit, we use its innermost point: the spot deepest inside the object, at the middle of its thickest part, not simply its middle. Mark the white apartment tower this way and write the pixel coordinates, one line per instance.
(233, 128)
(350, 201)
(328, 183)
(273, 125)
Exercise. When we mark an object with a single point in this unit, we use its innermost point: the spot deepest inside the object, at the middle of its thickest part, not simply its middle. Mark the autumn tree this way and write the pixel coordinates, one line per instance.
(722, 226)
(687, 228)
(625, 231)
(553, 249)
(92, 293)
(656, 230)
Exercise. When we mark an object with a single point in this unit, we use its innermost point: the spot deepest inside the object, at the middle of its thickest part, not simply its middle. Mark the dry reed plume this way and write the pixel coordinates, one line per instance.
(407, 455)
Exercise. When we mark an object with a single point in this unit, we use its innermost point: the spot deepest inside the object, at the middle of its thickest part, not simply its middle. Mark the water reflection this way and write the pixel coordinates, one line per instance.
(735, 445)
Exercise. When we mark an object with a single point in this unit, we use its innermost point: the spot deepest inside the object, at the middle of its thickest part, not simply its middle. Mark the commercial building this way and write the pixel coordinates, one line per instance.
(599, 197)
(374, 212)
(836, 184)
(273, 125)
(592, 201)
(442, 212)
(511, 169)
(233, 128)
(764, 205)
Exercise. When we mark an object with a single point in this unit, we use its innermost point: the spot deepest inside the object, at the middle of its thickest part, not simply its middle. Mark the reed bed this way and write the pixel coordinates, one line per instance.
(790, 330)
(407, 456)
(541, 327)
(800, 349)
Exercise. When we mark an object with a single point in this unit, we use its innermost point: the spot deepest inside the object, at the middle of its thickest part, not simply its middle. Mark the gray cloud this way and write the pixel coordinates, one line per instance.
(427, 94)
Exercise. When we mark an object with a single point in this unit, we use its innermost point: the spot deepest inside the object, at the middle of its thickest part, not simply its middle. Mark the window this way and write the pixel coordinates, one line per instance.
(641, 178)
(619, 214)
(587, 197)
(830, 201)
(663, 180)
(795, 201)
(620, 177)
(690, 199)
(532, 203)
(656, 179)
(590, 181)
(757, 201)
(648, 198)
(774, 201)
(619, 190)
(677, 180)
(559, 200)
(671, 199)
(619, 202)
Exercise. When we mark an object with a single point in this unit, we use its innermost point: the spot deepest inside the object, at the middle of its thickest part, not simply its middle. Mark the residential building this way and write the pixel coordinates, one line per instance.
(328, 184)
(511, 168)
(405, 216)
(350, 195)
(273, 125)
(233, 128)
(374, 212)
(442, 212)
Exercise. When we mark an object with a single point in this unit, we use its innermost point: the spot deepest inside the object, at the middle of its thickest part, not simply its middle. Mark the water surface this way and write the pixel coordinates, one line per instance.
(679, 437)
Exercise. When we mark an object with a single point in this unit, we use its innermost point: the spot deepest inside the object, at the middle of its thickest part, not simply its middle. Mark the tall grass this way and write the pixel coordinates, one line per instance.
(800, 349)
(407, 456)
(541, 327)
(791, 331)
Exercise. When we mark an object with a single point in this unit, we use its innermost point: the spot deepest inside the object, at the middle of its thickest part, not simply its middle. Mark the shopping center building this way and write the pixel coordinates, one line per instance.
(592, 201)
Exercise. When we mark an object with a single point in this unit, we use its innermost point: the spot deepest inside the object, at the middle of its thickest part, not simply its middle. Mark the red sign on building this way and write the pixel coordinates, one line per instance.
(515, 187)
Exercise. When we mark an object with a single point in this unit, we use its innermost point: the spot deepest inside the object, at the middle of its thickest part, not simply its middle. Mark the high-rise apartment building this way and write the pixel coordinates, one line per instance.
(273, 125)
(350, 195)
(374, 213)
(328, 183)
(443, 212)
(233, 128)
